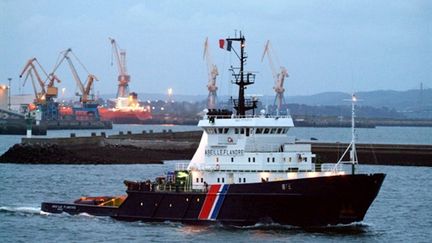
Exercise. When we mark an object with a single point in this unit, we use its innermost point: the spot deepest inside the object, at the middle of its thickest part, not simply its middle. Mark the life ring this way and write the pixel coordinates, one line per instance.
(217, 167)
(230, 140)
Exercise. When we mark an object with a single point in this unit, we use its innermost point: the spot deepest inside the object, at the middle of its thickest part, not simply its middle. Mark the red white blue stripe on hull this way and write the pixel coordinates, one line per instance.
(213, 202)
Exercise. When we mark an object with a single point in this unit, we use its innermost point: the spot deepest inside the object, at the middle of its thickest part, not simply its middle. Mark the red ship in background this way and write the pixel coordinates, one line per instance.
(127, 108)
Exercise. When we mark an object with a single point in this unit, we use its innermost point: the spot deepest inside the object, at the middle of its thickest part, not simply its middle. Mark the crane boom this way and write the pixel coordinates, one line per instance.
(270, 59)
(89, 84)
(212, 75)
(124, 77)
(116, 52)
(84, 89)
(30, 67)
(75, 75)
(30, 74)
(278, 77)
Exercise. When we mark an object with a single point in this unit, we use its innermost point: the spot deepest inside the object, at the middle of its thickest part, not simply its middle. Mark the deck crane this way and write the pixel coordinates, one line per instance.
(212, 74)
(31, 70)
(38, 99)
(85, 89)
(124, 77)
(279, 77)
(44, 99)
(47, 93)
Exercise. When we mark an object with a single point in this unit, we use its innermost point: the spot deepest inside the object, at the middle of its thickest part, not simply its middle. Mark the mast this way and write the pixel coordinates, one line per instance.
(353, 153)
(242, 79)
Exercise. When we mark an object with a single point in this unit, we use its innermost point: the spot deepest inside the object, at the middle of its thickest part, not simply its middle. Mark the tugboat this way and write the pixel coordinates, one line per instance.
(246, 170)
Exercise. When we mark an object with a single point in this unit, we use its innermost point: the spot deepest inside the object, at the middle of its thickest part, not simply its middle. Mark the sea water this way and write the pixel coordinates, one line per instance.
(402, 211)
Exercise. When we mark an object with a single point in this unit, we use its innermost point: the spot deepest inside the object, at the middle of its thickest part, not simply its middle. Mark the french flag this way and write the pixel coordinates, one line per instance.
(225, 44)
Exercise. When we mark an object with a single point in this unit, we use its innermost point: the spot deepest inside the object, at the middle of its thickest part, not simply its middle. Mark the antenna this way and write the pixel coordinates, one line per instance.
(353, 152)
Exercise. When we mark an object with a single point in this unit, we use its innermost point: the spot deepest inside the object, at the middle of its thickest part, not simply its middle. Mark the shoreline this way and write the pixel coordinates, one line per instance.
(154, 148)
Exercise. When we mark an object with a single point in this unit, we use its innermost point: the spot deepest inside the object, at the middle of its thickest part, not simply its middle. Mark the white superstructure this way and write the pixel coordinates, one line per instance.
(247, 150)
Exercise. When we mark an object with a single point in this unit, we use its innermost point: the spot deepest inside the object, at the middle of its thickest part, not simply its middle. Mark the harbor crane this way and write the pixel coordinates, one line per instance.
(86, 88)
(278, 76)
(212, 74)
(45, 93)
(124, 77)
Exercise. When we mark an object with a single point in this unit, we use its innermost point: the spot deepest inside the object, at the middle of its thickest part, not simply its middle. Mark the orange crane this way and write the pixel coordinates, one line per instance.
(124, 77)
(86, 88)
(212, 74)
(44, 94)
(279, 77)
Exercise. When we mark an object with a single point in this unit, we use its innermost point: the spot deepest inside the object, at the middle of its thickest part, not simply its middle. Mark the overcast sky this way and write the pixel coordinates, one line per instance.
(325, 45)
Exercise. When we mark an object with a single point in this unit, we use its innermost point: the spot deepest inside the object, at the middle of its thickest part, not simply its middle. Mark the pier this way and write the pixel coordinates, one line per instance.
(150, 147)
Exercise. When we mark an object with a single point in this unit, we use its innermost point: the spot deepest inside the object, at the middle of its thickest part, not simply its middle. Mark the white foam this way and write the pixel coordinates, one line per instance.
(29, 210)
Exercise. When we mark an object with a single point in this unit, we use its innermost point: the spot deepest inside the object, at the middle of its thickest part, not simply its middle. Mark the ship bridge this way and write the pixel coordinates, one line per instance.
(241, 149)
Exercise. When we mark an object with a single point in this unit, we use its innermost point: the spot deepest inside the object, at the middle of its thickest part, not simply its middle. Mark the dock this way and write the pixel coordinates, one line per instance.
(150, 147)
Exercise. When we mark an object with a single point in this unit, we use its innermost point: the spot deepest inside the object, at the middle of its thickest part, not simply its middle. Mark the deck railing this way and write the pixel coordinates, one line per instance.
(233, 116)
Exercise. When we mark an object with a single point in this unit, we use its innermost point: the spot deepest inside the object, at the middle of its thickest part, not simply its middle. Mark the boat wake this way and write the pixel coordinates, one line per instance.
(346, 229)
(28, 211)
(20, 210)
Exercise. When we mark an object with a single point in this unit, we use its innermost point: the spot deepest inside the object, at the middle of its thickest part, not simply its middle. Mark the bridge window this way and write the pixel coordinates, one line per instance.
(242, 130)
(279, 130)
(273, 131)
(220, 130)
(266, 130)
(247, 132)
(236, 131)
(259, 130)
(226, 130)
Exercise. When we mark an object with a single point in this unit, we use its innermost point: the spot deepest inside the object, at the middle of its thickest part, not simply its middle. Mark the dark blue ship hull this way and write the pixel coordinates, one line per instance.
(318, 201)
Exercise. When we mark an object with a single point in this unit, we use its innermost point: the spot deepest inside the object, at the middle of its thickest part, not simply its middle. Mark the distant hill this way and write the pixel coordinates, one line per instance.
(399, 100)
(410, 100)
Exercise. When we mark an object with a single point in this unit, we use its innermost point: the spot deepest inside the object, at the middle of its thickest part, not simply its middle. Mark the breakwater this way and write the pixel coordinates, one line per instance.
(149, 147)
